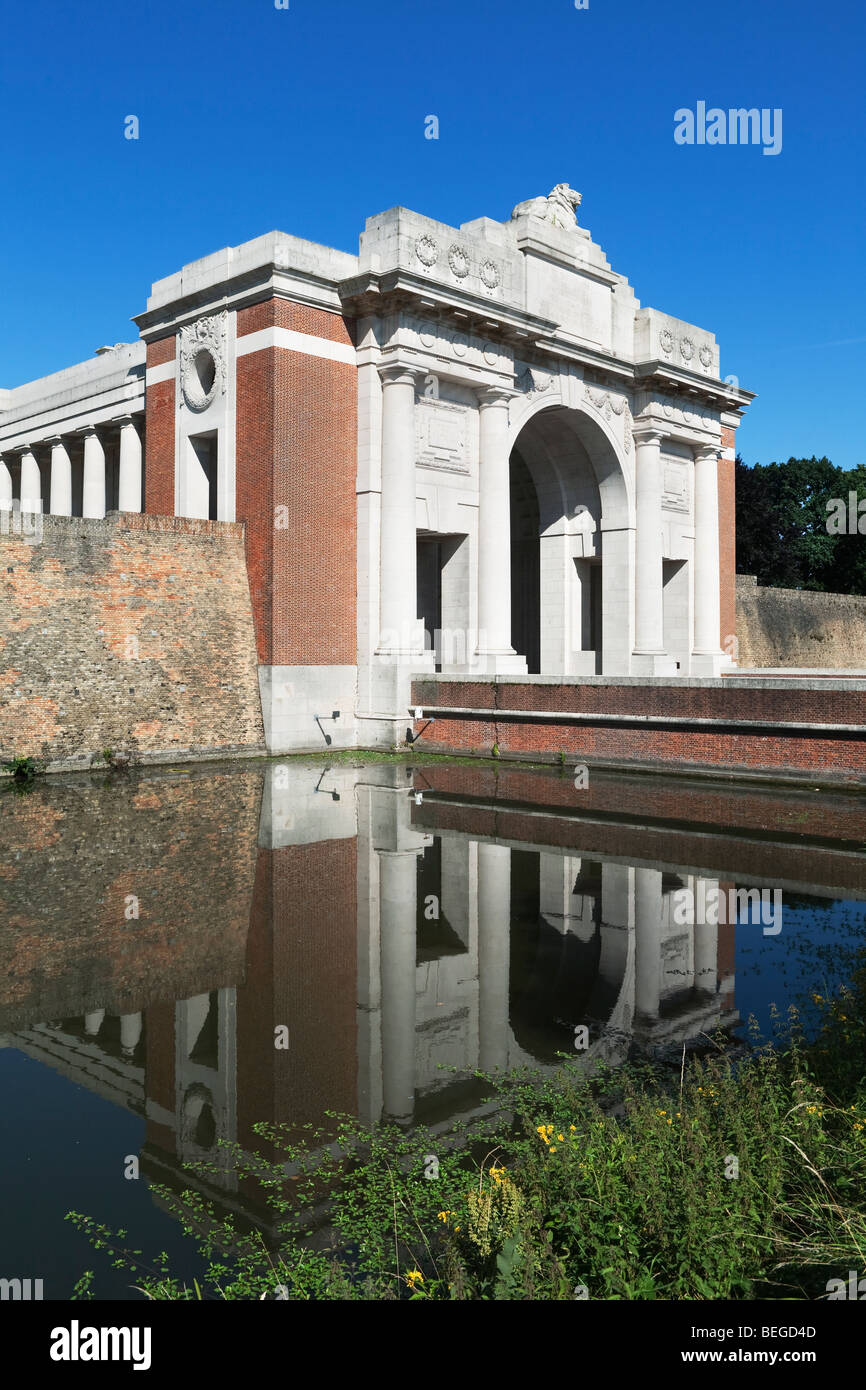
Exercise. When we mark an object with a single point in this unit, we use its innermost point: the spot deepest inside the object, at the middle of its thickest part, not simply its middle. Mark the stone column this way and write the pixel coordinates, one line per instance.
(31, 483)
(93, 1022)
(649, 619)
(648, 936)
(94, 474)
(399, 634)
(398, 896)
(130, 1031)
(494, 937)
(129, 484)
(494, 536)
(5, 486)
(706, 945)
(707, 579)
(60, 496)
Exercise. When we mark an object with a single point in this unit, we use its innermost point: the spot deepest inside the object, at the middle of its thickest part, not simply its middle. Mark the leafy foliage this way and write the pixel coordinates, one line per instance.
(781, 518)
(622, 1184)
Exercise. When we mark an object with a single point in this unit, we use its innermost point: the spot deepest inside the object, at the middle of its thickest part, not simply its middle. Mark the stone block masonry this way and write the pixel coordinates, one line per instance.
(799, 628)
(133, 633)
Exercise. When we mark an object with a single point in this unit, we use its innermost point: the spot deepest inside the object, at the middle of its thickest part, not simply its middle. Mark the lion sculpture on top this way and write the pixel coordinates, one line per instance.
(559, 207)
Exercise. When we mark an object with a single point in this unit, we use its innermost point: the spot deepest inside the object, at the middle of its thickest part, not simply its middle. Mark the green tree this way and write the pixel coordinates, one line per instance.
(782, 536)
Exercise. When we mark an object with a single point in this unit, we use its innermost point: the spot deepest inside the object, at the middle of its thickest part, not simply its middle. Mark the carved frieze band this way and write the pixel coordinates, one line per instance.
(458, 258)
(684, 350)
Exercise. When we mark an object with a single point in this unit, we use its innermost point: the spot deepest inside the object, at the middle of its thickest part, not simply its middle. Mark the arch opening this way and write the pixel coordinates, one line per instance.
(570, 552)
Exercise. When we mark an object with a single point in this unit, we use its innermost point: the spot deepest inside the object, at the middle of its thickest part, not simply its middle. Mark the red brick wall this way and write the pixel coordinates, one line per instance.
(131, 633)
(727, 544)
(162, 351)
(296, 449)
(833, 757)
(255, 488)
(159, 434)
(302, 318)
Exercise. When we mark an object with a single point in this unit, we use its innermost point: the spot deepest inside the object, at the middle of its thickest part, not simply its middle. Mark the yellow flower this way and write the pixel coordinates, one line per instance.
(444, 1215)
(574, 1127)
(552, 1151)
(561, 1138)
(414, 1277)
(497, 1173)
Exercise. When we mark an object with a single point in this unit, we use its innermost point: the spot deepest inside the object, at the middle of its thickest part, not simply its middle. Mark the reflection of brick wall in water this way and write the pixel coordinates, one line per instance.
(301, 971)
(638, 802)
(834, 816)
(73, 850)
(159, 1071)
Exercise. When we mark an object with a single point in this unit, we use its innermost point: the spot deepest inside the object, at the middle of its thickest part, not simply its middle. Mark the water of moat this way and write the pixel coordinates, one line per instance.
(399, 926)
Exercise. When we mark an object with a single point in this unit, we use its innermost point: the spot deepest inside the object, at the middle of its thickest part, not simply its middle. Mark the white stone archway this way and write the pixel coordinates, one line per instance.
(583, 496)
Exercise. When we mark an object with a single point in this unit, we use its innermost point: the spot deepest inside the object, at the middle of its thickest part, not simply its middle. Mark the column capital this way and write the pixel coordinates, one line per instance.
(86, 430)
(124, 421)
(399, 374)
(53, 440)
(707, 453)
(647, 434)
(495, 395)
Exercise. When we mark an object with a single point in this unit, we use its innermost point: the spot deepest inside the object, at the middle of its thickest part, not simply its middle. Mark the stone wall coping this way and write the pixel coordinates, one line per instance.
(128, 521)
(735, 681)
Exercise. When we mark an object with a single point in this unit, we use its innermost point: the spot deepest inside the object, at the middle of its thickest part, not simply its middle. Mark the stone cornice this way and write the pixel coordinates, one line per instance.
(239, 292)
(393, 291)
(659, 376)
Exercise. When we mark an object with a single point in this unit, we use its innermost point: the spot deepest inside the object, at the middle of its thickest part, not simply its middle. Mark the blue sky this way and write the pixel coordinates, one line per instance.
(312, 119)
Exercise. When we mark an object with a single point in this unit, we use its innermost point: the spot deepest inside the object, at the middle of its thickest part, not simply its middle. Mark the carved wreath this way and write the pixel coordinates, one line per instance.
(490, 274)
(202, 361)
(458, 260)
(426, 250)
(666, 340)
(687, 348)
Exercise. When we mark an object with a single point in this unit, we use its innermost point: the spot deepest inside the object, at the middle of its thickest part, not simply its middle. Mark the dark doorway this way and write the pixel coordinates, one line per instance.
(205, 446)
(429, 571)
(525, 566)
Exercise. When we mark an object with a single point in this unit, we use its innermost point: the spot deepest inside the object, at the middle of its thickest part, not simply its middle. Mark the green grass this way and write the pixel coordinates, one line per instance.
(719, 1179)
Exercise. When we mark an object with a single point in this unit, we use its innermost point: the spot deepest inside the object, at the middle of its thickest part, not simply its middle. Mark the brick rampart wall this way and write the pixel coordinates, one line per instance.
(129, 633)
(800, 628)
